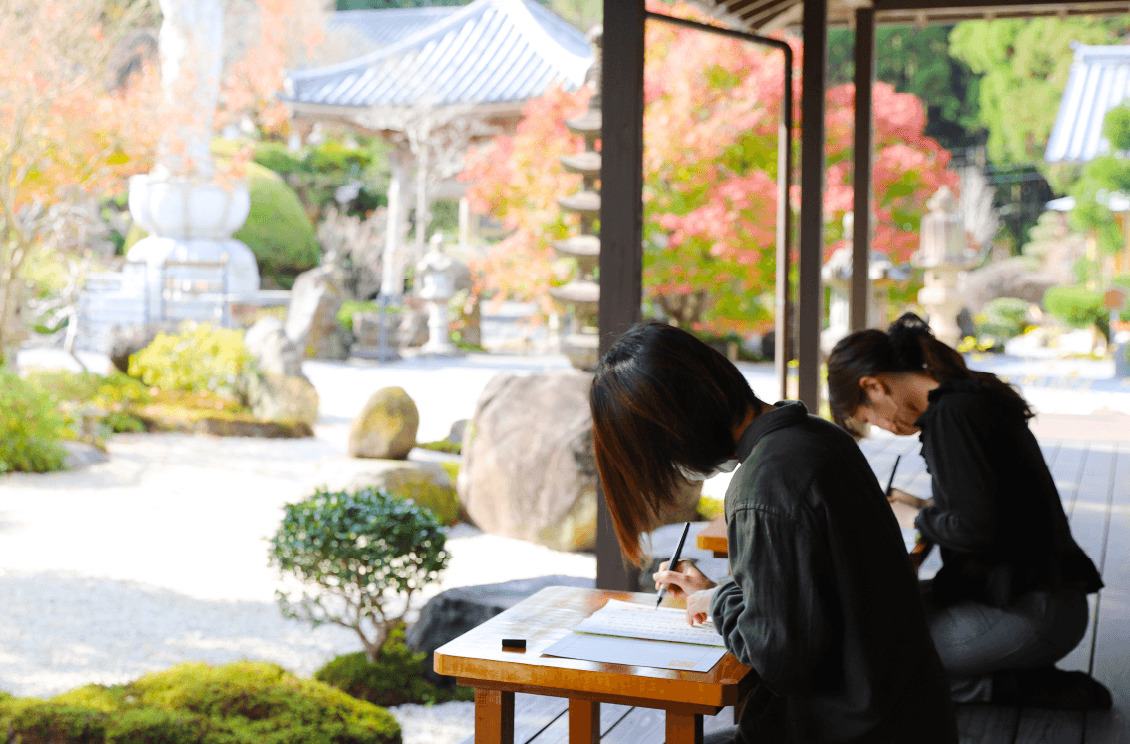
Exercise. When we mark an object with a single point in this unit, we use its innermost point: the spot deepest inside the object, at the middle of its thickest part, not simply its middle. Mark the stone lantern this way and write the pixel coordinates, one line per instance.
(190, 215)
(944, 254)
(437, 274)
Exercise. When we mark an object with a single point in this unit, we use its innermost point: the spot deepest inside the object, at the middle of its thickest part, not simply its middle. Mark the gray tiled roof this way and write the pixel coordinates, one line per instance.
(1099, 81)
(384, 27)
(491, 51)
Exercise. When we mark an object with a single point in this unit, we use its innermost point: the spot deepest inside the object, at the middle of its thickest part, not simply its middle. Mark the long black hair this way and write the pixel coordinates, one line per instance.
(907, 346)
(661, 399)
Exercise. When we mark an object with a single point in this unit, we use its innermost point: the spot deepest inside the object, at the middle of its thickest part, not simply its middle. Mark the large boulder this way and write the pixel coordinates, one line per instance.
(1019, 276)
(272, 348)
(452, 613)
(274, 397)
(528, 470)
(386, 427)
(406, 327)
(426, 483)
(311, 318)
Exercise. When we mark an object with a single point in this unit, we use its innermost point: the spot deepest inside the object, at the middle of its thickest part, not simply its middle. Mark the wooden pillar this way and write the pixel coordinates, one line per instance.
(621, 221)
(860, 297)
(810, 295)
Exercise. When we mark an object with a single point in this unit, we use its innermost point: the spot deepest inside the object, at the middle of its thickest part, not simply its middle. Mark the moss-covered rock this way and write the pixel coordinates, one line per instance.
(167, 417)
(32, 721)
(428, 484)
(242, 703)
(386, 427)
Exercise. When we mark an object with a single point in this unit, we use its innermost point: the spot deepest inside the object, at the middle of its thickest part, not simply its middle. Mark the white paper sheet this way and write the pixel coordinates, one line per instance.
(631, 620)
(687, 657)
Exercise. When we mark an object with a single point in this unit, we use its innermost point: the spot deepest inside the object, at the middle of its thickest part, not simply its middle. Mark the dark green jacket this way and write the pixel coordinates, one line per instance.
(823, 602)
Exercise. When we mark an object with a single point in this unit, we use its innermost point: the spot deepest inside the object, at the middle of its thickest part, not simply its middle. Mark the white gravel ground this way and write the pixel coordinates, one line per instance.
(159, 555)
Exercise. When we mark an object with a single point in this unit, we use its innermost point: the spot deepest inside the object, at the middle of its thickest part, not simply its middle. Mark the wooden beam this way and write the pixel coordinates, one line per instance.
(621, 222)
(860, 299)
(810, 297)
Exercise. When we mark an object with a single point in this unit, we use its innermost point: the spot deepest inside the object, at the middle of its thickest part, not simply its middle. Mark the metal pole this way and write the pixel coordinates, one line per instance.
(810, 297)
(621, 223)
(860, 299)
(783, 320)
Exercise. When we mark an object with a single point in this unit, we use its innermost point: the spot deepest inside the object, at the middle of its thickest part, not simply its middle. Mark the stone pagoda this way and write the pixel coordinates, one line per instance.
(582, 292)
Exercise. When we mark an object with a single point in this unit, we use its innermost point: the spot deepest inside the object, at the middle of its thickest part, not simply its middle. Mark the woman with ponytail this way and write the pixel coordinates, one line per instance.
(821, 600)
(1010, 598)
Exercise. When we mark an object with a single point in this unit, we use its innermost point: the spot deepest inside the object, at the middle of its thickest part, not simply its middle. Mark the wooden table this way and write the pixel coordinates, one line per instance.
(477, 660)
(713, 537)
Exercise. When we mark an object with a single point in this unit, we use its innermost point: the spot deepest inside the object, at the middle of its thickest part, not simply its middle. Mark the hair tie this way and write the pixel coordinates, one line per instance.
(905, 337)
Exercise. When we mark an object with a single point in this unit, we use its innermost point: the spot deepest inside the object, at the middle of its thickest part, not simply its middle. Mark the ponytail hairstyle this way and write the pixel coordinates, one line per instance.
(661, 400)
(907, 346)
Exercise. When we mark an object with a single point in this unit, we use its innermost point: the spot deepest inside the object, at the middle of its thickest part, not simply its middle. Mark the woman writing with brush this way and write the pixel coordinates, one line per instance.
(1010, 598)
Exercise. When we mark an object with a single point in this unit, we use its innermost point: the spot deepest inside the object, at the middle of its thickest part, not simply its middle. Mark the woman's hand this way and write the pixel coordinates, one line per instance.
(684, 581)
(698, 606)
(902, 497)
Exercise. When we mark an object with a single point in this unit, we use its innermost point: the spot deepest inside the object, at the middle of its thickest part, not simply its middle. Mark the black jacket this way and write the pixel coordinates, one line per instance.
(997, 517)
(822, 601)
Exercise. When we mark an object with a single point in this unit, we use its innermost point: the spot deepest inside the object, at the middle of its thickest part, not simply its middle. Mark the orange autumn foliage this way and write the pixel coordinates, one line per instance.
(710, 131)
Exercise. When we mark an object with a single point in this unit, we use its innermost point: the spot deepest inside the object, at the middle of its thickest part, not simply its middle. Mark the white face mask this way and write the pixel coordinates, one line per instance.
(694, 475)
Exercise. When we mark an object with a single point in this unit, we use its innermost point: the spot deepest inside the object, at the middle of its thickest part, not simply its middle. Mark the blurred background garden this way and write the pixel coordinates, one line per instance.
(298, 303)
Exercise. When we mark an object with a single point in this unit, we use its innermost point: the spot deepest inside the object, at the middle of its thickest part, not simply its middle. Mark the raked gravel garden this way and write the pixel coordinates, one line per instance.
(159, 555)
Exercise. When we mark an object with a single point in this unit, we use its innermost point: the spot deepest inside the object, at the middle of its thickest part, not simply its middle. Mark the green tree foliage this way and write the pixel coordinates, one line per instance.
(361, 556)
(1102, 177)
(1024, 66)
(918, 61)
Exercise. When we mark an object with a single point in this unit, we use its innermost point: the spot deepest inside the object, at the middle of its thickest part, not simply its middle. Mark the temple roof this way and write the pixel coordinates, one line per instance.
(764, 16)
(381, 28)
(488, 52)
(1099, 80)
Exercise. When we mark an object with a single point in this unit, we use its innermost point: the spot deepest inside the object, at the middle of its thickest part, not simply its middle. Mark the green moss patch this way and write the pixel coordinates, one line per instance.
(193, 703)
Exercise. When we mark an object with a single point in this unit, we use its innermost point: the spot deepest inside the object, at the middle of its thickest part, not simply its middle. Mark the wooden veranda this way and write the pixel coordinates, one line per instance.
(1094, 480)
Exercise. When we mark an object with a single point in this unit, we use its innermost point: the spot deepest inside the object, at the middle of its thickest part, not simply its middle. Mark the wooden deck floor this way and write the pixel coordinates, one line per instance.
(1093, 479)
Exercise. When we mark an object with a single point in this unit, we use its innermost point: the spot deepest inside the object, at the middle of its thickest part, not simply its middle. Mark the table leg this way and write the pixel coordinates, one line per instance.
(494, 716)
(584, 722)
(684, 728)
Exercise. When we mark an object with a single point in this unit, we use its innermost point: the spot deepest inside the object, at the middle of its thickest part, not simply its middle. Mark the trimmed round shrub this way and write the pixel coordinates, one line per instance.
(197, 359)
(277, 230)
(30, 428)
(1003, 318)
(361, 556)
(395, 678)
(1078, 307)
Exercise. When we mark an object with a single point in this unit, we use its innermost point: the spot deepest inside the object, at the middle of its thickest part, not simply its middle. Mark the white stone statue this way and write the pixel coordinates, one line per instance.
(190, 217)
(436, 274)
(191, 44)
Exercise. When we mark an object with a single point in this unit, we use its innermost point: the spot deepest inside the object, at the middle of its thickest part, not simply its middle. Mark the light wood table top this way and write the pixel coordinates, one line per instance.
(713, 537)
(477, 660)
